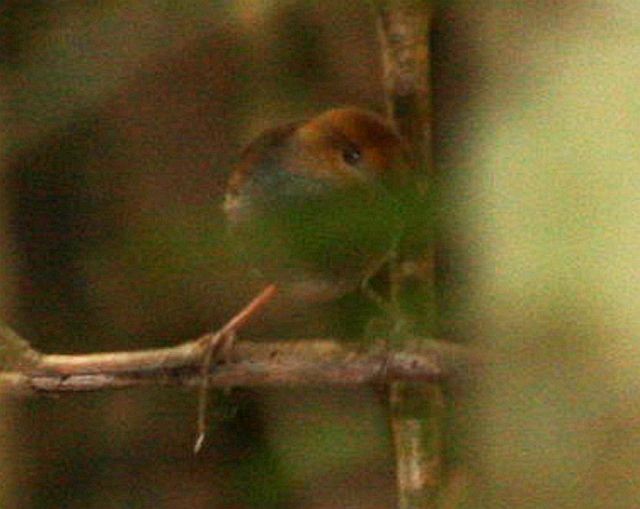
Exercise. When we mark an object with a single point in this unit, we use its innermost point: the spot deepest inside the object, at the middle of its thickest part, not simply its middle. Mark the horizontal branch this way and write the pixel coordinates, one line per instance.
(226, 363)
(301, 362)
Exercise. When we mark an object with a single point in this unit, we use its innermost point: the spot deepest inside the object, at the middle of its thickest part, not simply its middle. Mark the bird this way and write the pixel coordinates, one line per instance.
(312, 205)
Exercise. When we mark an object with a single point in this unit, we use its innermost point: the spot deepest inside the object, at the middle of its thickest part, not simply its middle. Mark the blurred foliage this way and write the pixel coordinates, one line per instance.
(339, 232)
(15, 352)
(553, 284)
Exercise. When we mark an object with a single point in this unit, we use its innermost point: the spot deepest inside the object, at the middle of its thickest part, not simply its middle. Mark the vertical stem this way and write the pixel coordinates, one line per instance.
(417, 410)
(416, 425)
(404, 28)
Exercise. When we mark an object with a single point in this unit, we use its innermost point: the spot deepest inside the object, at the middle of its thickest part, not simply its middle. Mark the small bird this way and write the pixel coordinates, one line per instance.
(312, 205)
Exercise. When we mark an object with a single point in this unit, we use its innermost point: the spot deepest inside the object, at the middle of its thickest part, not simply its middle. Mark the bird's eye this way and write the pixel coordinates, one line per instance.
(351, 155)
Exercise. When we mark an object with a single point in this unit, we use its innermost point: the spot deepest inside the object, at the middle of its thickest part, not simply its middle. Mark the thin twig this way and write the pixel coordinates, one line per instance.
(217, 345)
(213, 349)
(249, 310)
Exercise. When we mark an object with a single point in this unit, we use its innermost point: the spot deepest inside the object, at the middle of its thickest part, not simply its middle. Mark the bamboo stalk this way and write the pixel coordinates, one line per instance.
(417, 411)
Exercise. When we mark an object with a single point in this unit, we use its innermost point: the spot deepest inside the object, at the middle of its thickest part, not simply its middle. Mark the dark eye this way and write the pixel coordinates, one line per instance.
(351, 155)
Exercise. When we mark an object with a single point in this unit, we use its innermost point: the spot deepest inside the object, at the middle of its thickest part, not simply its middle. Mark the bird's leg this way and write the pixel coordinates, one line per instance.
(389, 306)
(400, 323)
(366, 288)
